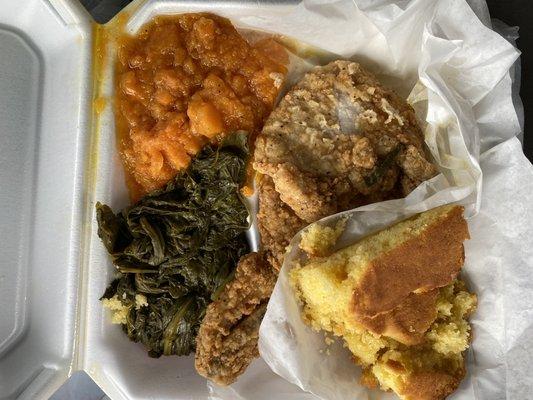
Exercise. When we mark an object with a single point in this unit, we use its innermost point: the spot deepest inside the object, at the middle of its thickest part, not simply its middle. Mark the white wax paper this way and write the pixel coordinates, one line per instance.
(498, 268)
(455, 70)
(462, 68)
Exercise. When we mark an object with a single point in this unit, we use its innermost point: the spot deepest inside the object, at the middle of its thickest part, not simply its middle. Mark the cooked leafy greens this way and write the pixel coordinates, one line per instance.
(177, 247)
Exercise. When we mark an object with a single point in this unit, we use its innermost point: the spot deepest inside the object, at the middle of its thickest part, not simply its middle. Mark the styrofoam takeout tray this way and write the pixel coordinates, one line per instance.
(44, 133)
(55, 163)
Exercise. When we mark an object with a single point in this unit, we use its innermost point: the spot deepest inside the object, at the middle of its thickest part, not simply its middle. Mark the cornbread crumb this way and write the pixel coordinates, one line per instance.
(140, 301)
(318, 240)
(278, 78)
(119, 312)
(451, 332)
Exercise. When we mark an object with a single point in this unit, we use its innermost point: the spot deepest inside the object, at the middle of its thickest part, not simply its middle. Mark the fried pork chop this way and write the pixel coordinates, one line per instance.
(227, 341)
(338, 140)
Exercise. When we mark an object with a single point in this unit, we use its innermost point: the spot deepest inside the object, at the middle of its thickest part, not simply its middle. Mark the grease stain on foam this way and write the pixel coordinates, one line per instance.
(103, 39)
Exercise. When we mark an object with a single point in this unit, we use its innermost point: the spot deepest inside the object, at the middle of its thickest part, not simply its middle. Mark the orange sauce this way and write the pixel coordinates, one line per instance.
(185, 81)
(99, 104)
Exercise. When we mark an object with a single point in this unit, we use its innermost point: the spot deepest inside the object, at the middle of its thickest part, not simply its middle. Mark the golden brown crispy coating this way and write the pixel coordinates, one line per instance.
(227, 340)
(277, 223)
(432, 385)
(339, 139)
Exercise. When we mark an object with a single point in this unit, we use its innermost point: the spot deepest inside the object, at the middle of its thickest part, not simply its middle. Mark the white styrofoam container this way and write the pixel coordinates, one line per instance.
(120, 367)
(45, 87)
(56, 161)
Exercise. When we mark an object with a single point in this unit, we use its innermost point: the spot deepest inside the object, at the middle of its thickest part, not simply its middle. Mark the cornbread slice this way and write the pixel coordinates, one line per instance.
(394, 268)
(394, 299)
(435, 368)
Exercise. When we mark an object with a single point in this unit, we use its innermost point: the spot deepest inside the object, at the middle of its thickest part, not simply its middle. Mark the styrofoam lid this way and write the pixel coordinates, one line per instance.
(44, 91)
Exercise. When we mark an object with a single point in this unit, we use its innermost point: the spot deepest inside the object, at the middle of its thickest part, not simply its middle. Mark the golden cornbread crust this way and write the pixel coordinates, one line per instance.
(432, 385)
(390, 278)
(407, 322)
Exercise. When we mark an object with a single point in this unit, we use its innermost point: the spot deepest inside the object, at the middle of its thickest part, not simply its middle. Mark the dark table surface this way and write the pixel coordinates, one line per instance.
(512, 12)
(520, 13)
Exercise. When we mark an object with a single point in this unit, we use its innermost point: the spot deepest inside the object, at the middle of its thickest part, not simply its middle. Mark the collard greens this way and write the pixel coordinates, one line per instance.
(177, 247)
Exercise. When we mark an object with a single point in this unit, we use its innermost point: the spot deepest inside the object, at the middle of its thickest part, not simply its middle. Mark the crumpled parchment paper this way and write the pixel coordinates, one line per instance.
(455, 72)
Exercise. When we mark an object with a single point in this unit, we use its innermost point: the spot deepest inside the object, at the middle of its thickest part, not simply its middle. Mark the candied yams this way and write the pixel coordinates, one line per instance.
(184, 81)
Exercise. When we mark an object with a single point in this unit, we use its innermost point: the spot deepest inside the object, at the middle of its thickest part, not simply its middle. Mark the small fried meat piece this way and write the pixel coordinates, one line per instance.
(277, 223)
(227, 341)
